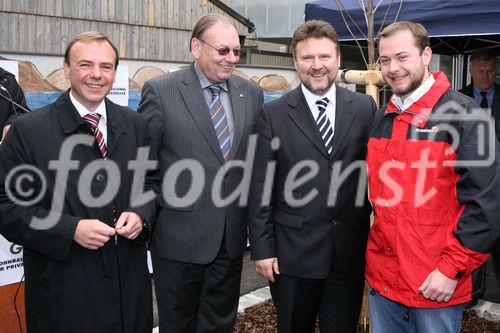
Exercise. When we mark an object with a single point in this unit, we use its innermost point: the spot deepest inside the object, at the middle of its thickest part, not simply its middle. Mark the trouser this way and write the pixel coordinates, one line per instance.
(336, 299)
(387, 316)
(198, 298)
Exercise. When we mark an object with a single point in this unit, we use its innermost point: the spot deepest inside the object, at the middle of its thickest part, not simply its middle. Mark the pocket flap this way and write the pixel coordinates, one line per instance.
(288, 219)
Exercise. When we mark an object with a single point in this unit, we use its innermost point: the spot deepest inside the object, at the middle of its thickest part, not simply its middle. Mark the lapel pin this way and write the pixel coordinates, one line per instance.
(241, 95)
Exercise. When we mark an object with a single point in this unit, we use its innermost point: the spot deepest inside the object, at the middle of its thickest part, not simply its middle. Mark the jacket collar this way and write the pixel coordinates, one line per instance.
(68, 115)
(71, 120)
(418, 113)
(303, 118)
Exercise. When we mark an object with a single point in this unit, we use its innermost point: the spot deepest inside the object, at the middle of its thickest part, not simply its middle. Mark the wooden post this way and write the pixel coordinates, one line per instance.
(371, 78)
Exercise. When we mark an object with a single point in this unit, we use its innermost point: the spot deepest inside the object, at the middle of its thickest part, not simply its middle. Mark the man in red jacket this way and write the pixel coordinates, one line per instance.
(434, 186)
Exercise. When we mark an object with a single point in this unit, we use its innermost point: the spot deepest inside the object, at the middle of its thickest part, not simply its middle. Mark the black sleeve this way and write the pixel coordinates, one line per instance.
(260, 225)
(8, 110)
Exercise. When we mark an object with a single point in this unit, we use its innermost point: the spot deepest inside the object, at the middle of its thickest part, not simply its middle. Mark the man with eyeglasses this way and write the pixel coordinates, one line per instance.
(202, 115)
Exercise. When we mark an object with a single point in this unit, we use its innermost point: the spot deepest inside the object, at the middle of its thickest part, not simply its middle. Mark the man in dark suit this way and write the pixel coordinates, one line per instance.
(484, 89)
(200, 117)
(310, 217)
(12, 101)
(84, 258)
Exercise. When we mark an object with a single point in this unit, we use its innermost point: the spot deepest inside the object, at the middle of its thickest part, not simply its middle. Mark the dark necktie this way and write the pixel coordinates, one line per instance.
(324, 125)
(220, 121)
(484, 101)
(92, 119)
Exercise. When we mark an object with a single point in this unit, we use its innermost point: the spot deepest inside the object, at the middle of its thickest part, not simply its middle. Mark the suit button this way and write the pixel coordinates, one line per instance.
(99, 177)
(388, 249)
(334, 223)
(385, 290)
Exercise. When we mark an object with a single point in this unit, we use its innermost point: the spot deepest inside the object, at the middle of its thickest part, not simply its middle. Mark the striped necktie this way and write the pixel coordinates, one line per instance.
(324, 125)
(92, 119)
(219, 120)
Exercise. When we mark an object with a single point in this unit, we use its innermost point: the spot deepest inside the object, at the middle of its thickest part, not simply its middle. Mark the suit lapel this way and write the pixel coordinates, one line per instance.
(71, 120)
(302, 117)
(115, 126)
(344, 116)
(68, 115)
(238, 102)
(191, 92)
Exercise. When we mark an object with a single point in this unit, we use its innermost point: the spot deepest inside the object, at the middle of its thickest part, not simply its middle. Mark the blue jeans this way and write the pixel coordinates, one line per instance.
(390, 317)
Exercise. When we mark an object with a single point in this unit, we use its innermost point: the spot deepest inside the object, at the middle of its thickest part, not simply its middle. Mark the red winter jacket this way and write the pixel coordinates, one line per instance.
(434, 207)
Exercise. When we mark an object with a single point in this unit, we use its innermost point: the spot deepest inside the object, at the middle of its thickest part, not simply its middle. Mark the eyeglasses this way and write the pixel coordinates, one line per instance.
(224, 51)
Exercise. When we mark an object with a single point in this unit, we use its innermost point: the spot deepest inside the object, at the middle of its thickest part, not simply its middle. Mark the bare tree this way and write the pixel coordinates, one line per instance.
(369, 11)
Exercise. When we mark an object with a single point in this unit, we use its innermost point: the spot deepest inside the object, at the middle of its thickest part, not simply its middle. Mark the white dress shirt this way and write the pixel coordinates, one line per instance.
(101, 109)
(330, 108)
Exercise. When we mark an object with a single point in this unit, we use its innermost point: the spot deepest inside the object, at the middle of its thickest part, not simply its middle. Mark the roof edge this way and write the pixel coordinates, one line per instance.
(235, 14)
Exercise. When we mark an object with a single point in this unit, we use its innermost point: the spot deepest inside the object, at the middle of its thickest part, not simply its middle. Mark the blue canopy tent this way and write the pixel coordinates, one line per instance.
(456, 27)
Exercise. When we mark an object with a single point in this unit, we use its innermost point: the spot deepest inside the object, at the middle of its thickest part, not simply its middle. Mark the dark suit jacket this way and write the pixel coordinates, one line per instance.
(70, 288)
(181, 127)
(306, 239)
(495, 108)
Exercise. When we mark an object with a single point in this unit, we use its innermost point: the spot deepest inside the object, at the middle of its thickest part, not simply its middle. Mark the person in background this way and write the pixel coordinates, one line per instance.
(484, 89)
(434, 180)
(85, 260)
(486, 92)
(311, 248)
(10, 95)
(204, 115)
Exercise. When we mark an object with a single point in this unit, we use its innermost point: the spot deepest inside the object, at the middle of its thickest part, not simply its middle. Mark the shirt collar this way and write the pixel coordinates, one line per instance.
(489, 91)
(204, 82)
(404, 104)
(418, 112)
(312, 98)
(82, 110)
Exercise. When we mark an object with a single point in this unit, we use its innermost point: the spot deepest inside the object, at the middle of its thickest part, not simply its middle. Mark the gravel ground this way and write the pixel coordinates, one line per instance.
(262, 319)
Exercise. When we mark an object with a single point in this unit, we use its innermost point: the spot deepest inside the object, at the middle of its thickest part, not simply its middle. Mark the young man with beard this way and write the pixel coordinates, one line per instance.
(433, 182)
(310, 243)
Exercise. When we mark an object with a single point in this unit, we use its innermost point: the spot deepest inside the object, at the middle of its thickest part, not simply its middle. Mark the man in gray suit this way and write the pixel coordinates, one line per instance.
(201, 115)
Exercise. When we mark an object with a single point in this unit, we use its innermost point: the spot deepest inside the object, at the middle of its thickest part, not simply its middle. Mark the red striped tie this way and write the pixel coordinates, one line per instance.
(92, 119)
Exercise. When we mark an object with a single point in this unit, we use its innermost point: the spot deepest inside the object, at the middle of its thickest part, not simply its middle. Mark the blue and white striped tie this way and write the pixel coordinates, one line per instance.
(324, 125)
(219, 120)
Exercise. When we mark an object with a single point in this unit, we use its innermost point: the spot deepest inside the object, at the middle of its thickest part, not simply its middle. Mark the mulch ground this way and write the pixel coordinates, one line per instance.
(262, 318)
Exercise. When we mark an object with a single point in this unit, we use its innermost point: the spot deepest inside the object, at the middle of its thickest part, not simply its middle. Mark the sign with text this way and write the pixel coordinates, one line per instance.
(11, 262)
(11, 66)
(119, 92)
